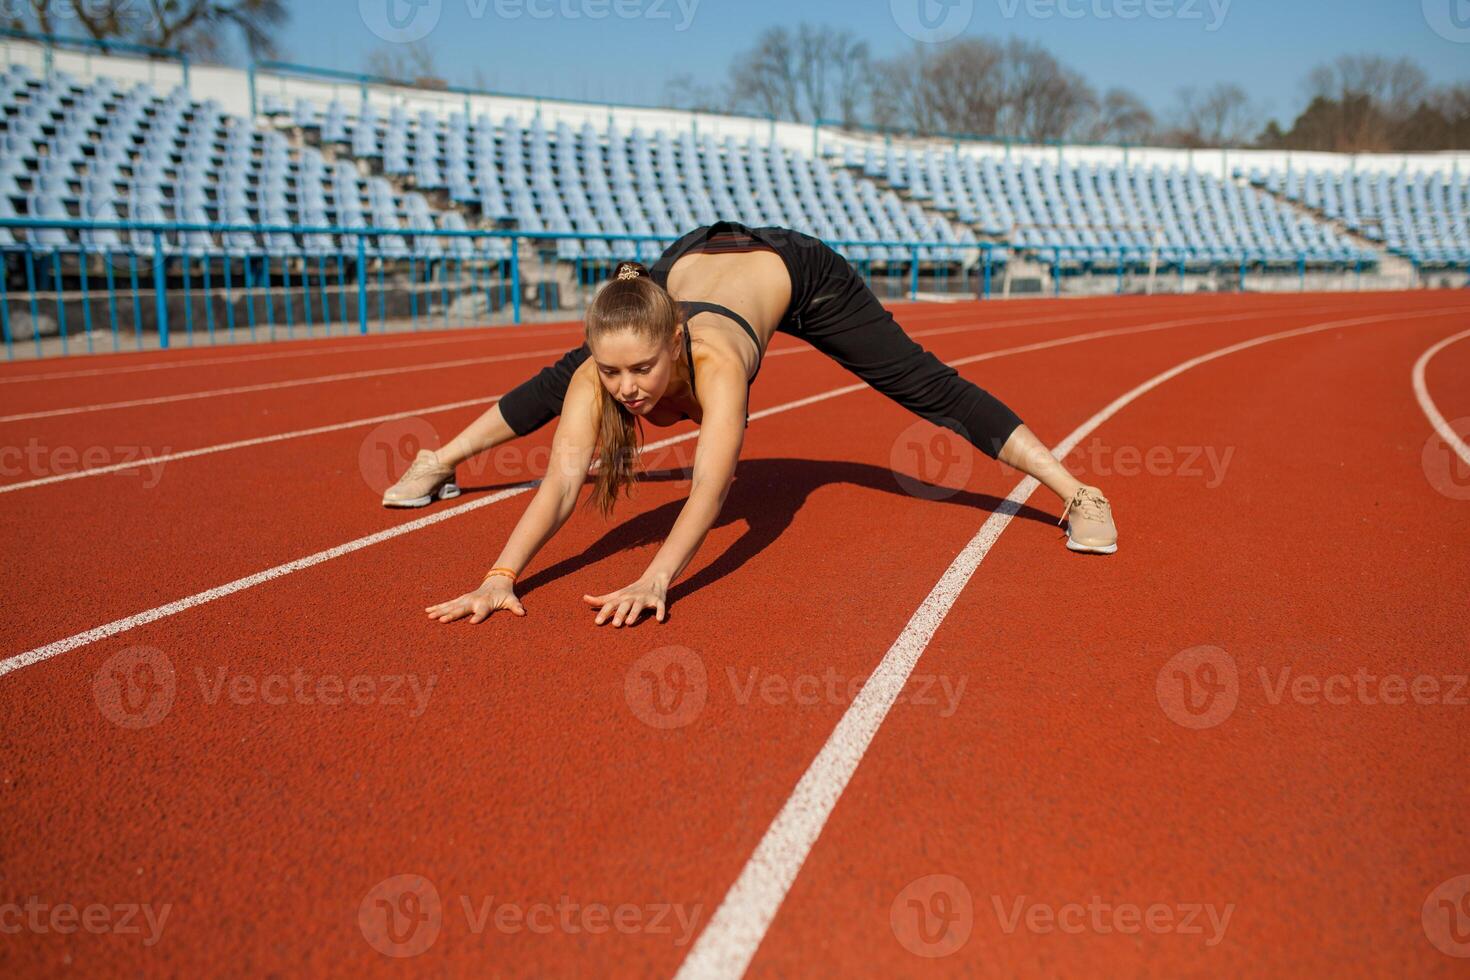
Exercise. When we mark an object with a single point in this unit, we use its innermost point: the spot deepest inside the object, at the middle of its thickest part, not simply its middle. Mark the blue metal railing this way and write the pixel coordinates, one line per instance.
(209, 290)
(103, 45)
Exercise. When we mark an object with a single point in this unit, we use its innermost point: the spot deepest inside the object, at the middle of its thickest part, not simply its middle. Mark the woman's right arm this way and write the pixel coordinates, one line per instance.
(571, 454)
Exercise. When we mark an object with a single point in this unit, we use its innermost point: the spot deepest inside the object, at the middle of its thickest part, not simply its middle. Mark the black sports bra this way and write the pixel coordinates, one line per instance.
(692, 307)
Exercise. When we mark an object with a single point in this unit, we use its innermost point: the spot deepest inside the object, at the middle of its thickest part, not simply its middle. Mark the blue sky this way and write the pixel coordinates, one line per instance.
(563, 48)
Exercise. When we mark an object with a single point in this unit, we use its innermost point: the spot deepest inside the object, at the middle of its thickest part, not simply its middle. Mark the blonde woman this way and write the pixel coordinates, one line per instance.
(685, 341)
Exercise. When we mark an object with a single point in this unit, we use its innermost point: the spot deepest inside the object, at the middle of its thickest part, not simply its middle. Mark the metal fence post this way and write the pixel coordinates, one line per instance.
(914, 275)
(362, 326)
(160, 302)
(515, 280)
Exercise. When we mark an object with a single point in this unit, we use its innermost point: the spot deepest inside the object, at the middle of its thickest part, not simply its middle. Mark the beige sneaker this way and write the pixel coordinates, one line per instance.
(1089, 520)
(427, 480)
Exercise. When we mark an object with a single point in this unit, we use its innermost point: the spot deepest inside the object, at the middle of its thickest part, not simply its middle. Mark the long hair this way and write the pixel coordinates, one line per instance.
(629, 301)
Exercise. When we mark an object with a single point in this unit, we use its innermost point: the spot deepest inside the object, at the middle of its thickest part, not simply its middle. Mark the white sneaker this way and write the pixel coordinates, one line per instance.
(427, 480)
(1089, 520)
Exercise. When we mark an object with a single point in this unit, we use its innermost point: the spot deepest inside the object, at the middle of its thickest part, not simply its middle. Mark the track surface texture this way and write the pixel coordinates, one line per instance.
(891, 725)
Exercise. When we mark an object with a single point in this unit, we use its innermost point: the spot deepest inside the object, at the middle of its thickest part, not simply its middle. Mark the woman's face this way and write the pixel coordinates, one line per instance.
(634, 370)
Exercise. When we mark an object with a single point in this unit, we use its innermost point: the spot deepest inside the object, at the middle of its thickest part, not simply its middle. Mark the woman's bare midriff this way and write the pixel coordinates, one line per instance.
(754, 284)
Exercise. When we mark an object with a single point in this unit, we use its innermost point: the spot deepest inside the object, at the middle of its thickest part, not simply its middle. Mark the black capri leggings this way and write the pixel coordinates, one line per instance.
(833, 310)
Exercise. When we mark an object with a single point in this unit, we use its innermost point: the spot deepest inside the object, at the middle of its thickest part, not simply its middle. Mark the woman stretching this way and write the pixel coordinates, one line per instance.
(641, 362)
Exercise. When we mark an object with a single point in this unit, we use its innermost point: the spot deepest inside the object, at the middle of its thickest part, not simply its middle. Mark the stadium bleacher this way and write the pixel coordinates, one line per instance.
(1423, 217)
(1094, 212)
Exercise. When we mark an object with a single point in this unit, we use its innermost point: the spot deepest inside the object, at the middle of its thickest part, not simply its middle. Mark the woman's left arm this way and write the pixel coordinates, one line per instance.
(721, 432)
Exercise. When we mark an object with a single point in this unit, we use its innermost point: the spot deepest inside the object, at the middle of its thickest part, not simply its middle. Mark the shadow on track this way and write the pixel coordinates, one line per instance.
(766, 494)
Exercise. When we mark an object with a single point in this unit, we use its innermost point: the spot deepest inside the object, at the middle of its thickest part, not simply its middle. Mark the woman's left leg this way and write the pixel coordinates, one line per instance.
(849, 325)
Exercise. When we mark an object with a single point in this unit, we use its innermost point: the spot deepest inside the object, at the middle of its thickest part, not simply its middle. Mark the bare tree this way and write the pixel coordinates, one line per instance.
(1219, 116)
(197, 27)
(402, 62)
(1122, 117)
(1044, 100)
(765, 79)
(854, 65)
(964, 86)
(684, 91)
(1395, 85)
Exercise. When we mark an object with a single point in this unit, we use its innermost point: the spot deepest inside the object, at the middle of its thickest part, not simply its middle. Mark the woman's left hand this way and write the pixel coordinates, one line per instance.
(625, 605)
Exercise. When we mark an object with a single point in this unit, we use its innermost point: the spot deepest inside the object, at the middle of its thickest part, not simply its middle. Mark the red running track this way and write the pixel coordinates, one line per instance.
(1030, 794)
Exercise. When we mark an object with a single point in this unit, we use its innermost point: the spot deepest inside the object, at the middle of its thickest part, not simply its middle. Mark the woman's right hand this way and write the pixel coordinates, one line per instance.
(498, 592)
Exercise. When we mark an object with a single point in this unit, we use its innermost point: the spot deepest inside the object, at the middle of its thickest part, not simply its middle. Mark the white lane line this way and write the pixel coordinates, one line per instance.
(276, 385)
(57, 647)
(1426, 403)
(147, 461)
(183, 361)
(734, 932)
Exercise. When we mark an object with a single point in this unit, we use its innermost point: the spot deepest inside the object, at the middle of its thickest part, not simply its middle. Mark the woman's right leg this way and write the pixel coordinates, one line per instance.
(522, 410)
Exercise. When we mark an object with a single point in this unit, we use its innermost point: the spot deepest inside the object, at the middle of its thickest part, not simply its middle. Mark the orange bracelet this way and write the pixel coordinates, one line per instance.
(501, 570)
